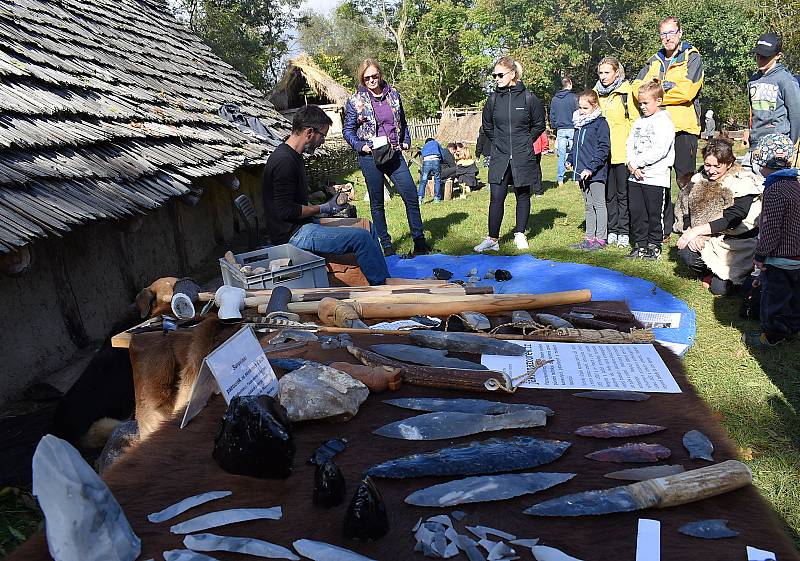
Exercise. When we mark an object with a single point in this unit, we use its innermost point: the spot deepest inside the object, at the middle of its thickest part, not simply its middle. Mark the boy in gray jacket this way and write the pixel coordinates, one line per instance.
(774, 94)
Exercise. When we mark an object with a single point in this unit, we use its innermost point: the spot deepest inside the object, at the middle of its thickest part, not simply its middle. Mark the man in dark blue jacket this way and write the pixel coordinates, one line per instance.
(562, 107)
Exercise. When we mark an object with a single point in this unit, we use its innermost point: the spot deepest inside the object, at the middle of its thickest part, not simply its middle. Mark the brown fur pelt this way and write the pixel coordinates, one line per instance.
(165, 367)
(156, 299)
(703, 200)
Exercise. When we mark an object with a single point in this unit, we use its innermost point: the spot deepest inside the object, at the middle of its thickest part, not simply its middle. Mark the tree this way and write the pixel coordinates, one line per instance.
(250, 35)
(440, 69)
(347, 34)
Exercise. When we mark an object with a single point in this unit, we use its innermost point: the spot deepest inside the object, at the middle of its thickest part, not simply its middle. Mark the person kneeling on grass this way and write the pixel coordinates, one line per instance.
(717, 213)
(650, 153)
(588, 156)
(778, 251)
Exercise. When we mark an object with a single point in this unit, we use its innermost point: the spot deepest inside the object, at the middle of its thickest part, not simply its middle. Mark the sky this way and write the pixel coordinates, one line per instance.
(322, 6)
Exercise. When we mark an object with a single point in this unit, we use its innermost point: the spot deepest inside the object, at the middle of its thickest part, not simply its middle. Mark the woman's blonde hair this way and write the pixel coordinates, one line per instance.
(591, 95)
(463, 153)
(511, 64)
(366, 63)
(614, 63)
(652, 87)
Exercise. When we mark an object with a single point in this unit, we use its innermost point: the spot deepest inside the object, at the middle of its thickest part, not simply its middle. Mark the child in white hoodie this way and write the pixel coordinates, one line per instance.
(650, 155)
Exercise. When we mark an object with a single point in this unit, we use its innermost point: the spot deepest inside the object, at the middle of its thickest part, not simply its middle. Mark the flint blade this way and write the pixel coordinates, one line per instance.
(485, 488)
(465, 343)
(588, 503)
(464, 405)
(451, 424)
(426, 357)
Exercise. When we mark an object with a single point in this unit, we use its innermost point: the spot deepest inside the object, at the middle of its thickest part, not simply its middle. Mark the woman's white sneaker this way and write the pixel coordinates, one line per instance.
(487, 244)
(520, 240)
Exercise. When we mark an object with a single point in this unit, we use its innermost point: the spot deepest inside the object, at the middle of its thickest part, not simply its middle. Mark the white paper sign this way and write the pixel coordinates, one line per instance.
(755, 554)
(648, 541)
(241, 367)
(659, 319)
(237, 367)
(588, 366)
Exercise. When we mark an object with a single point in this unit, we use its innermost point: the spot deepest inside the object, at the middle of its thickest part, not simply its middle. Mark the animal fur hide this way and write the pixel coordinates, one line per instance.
(166, 366)
(703, 201)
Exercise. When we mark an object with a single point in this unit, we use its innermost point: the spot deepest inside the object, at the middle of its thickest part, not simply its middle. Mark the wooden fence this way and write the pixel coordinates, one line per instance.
(421, 129)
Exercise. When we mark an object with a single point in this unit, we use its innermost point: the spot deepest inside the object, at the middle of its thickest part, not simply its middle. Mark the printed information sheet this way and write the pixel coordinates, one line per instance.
(659, 319)
(237, 367)
(590, 367)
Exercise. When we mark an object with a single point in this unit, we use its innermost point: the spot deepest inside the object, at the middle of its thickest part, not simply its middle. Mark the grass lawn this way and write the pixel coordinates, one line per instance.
(755, 395)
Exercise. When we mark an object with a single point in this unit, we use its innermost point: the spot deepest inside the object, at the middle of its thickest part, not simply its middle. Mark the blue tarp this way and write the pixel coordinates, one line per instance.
(535, 276)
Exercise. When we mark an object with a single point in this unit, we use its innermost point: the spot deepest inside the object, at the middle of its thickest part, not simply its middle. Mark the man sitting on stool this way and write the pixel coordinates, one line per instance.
(289, 217)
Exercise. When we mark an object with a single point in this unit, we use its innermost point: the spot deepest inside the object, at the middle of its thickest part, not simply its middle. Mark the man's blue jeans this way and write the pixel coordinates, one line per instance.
(563, 146)
(317, 238)
(397, 171)
(431, 167)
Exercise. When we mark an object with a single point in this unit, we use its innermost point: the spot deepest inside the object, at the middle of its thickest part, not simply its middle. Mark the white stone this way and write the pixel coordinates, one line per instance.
(83, 520)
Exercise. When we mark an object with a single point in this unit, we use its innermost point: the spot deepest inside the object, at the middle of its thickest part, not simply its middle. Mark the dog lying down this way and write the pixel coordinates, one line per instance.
(103, 394)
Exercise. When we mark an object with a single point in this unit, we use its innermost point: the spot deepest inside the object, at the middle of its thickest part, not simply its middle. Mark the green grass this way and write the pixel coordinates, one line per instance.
(755, 395)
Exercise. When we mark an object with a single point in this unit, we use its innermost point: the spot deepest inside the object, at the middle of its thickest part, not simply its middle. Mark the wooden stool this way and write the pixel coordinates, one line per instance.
(448, 190)
(429, 192)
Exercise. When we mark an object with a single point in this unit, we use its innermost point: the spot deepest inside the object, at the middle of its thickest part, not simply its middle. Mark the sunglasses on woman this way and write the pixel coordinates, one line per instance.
(372, 77)
(499, 74)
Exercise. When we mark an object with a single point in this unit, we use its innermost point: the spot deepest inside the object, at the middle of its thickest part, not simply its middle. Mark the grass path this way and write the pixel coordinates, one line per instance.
(754, 395)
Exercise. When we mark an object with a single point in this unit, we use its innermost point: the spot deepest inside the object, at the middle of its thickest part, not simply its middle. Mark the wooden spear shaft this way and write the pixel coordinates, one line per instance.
(392, 298)
(488, 304)
(299, 294)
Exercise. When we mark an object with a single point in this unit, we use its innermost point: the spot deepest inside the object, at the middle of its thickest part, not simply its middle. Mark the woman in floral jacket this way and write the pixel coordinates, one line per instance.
(375, 127)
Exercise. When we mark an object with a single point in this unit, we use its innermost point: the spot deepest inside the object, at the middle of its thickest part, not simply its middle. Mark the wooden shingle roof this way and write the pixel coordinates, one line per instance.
(107, 109)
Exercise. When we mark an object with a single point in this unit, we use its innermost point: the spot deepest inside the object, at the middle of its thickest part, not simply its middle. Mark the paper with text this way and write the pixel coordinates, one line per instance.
(588, 366)
(237, 367)
(659, 319)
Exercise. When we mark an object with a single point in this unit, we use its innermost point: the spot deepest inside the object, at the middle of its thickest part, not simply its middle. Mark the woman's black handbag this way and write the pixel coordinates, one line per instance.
(383, 155)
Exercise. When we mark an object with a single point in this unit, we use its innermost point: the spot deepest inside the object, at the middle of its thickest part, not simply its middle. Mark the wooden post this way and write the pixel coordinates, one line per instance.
(448, 190)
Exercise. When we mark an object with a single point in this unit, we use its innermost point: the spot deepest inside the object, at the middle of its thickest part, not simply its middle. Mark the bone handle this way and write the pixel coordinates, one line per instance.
(690, 486)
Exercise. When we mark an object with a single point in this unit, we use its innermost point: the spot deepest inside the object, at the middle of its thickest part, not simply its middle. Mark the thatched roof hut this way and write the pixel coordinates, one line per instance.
(302, 72)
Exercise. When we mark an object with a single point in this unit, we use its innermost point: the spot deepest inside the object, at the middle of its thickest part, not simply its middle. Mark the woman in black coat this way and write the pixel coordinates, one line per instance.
(513, 118)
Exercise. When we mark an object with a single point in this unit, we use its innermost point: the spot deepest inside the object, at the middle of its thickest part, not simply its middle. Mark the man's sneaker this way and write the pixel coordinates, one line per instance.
(487, 244)
(612, 238)
(520, 240)
(388, 250)
(652, 253)
(757, 340)
(586, 244)
(637, 253)
(622, 240)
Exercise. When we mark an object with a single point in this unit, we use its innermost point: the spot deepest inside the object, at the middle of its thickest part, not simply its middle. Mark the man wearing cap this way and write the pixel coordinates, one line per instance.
(774, 95)
(289, 217)
(777, 254)
(679, 66)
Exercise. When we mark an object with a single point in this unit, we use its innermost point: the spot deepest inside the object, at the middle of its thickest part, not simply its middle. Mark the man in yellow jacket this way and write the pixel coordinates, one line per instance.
(680, 67)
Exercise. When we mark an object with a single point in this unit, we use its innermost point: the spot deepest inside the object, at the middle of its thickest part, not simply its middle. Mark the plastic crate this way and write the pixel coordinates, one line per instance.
(306, 271)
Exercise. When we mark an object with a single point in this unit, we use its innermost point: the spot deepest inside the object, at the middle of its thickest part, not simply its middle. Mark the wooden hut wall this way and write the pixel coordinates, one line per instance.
(81, 284)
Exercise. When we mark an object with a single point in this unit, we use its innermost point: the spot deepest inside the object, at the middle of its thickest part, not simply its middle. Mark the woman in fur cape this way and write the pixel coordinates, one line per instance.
(717, 213)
